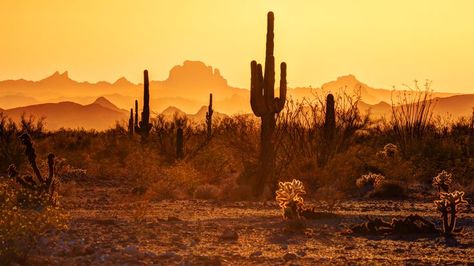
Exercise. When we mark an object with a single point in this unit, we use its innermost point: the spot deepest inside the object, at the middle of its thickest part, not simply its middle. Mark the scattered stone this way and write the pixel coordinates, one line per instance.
(256, 254)
(131, 250)
(170, 255)
(301, 253)
(290, 256)
(229, 235)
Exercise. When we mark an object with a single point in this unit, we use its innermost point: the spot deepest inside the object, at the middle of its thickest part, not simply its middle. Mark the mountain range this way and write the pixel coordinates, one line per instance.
(69, 103)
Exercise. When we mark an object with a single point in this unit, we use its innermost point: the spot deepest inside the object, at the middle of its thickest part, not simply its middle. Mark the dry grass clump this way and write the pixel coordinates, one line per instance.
(389, 151)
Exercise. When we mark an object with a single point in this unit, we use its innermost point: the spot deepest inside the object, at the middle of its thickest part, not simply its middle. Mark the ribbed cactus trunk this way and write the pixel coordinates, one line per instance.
(130, 124)
(329, 131)
(209, 113)
(136, 114)
(330, 117)
(144, 125)
(179, 143)
(266, 106)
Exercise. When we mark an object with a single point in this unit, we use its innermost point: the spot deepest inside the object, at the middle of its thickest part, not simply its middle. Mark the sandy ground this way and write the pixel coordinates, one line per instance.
(109, 226)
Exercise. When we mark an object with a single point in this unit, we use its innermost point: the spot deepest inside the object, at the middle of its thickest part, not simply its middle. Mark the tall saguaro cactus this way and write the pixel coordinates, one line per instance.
(329, 131)
(130, 124)
(136, 114)
(144, 125)
(209, 113)
(265, 105)
(330, 117)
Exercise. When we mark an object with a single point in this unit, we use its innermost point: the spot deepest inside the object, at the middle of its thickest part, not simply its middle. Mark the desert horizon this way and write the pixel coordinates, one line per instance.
(305, 134)
(186, 90)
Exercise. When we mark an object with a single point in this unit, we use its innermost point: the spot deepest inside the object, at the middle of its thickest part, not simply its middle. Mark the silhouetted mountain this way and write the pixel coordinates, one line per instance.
(171, 111)
(106, 103)
(72, 115)
(12, 101)
(200, 116)
(187, 87)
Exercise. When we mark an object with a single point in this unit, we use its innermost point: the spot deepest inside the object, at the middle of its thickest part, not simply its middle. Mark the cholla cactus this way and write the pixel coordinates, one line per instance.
(442, 181)
(289, 197)
(448, 205)
(370, 181)
(389, 151)
(44, 184)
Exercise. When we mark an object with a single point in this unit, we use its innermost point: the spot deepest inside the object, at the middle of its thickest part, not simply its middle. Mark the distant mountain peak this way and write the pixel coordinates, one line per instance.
(349, 77)
(196, 72)
(123, 82)
(104, 102)
(57, 76)
(171, 110)
(202, 110)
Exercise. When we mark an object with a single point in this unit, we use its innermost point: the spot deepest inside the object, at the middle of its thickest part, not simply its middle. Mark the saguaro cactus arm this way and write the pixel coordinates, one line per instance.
(143, 127)
(262, 94)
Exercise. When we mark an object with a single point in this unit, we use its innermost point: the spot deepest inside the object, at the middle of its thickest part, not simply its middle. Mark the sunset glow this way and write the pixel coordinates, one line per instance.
(382, 43)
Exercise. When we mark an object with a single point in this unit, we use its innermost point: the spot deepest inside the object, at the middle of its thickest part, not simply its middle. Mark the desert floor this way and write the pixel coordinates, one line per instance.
(110, 226)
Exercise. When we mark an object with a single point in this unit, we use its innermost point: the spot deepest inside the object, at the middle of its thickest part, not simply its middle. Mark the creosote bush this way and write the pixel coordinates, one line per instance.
(370, 181)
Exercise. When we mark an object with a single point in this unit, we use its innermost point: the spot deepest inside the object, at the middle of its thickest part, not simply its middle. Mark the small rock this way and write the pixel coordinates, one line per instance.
(229, 235)
(131, 250)
(256, 254)
(150, 254)
(290, 256)
(170, 255)
(301, 253)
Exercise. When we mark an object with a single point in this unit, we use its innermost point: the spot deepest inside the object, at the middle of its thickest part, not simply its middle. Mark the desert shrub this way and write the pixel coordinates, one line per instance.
(32, 125)
(20, 227)
(206, 192)
(369, 181)
(177, 181)
(10, 148)
(389, 151)
(388, 189)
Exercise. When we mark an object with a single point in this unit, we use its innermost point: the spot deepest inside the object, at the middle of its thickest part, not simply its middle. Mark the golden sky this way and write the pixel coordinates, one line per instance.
(383, 43)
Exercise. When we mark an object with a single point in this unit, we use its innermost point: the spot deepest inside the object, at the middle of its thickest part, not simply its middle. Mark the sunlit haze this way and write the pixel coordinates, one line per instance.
(382, 43)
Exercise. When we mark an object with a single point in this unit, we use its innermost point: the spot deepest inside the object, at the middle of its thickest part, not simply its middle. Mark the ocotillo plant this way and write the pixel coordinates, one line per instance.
(144, 125)
(130, 124)
(265, 105)
(209, 113)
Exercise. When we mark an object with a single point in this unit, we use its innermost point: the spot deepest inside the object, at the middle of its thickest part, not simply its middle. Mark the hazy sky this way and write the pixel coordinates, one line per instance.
(383, 43)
